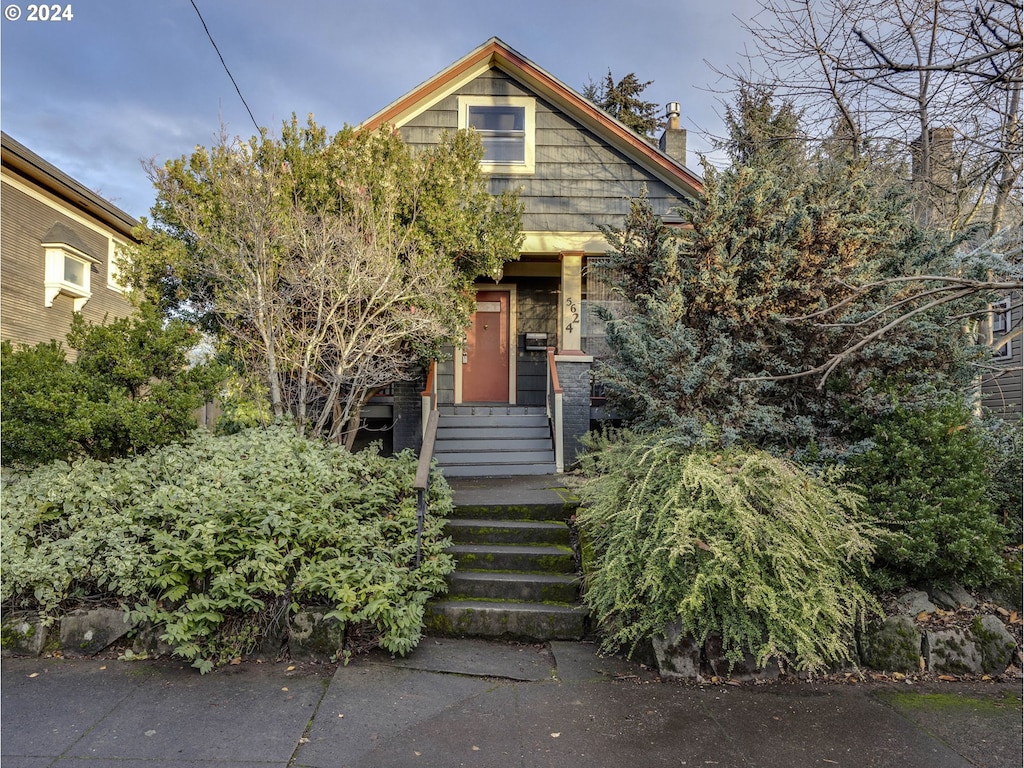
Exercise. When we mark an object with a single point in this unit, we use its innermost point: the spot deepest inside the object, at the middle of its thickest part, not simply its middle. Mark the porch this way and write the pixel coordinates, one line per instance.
(504, 439)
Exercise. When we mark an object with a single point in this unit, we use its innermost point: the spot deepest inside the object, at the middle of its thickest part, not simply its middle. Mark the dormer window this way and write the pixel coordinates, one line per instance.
(506, 129)
(68, 268)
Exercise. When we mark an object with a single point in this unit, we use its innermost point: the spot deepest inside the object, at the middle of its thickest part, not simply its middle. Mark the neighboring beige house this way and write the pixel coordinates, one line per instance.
(58, 242)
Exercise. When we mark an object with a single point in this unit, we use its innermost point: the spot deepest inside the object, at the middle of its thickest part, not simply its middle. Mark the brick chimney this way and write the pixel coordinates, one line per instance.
(934, 176)
(673, 140)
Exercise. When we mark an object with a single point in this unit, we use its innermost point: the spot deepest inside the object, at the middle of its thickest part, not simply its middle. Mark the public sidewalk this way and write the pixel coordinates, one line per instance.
(478, 703)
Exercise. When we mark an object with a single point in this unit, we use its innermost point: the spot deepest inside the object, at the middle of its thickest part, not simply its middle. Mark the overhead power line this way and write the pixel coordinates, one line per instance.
(214, 44)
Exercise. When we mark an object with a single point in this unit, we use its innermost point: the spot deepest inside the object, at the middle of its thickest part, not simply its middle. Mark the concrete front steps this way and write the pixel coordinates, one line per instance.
(481, 440)
(515, 575)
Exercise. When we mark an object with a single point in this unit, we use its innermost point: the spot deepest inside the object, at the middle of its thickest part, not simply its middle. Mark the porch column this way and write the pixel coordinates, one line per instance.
(570, 310)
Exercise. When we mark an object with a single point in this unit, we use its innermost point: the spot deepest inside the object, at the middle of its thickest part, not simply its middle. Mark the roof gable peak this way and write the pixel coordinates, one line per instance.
(497, 54)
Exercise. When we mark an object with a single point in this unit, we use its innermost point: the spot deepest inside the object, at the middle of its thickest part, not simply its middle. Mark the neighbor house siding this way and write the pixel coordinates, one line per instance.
(1003, 394)
(25, 220)
(41, 204)
(579, 183)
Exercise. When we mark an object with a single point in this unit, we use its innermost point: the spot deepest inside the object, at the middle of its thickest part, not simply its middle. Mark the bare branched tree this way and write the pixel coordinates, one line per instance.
(329, 266)
(905, 297)
(361, 299)
(938, 81)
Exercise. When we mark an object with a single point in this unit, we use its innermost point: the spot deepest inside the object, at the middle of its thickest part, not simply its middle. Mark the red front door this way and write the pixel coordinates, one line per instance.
(485, 370)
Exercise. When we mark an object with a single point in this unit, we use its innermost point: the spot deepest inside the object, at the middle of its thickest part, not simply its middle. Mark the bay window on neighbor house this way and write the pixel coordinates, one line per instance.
(506, 129)
(67, 268)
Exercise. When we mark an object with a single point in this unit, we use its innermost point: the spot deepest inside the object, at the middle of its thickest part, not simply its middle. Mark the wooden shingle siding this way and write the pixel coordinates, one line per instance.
(25, 221)
(579, 182)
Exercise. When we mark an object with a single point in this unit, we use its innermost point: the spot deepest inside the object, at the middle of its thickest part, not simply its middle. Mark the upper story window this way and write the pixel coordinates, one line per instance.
(506, 128)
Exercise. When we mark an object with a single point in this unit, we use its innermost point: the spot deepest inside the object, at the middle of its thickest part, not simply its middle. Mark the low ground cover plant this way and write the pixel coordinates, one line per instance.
(736, 542)
(215, 539)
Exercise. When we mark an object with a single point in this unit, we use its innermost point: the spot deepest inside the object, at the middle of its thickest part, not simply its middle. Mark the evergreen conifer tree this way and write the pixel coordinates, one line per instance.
(781, 233)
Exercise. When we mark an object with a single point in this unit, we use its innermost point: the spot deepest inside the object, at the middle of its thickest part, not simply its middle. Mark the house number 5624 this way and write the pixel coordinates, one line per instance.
(53, 12)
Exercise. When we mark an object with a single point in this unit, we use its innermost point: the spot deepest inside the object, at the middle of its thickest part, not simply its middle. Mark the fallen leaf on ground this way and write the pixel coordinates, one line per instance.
(556, 735)
(34, 674)
(476, 748)
(284, 689)
(947, 678)
(290, 668)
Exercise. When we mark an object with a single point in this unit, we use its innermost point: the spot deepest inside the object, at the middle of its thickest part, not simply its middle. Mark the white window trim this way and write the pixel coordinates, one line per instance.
(54, 282)
(113, 271)
(529, 105)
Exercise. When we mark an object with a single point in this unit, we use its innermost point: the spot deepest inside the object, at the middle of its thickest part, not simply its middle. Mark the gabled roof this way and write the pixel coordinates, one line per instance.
(23, 161)
(495, 54)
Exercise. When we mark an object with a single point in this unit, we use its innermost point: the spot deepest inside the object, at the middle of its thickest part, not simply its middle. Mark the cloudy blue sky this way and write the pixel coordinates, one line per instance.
(128, 80)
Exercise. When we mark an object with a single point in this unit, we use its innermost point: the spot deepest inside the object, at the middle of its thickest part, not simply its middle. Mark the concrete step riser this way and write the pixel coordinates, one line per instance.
(467, 619)
(524, 512)
(460, 585)
(482, 532)
(496, 560)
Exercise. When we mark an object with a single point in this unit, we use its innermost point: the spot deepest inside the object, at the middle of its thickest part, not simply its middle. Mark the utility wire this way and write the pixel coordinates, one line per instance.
(237, 90)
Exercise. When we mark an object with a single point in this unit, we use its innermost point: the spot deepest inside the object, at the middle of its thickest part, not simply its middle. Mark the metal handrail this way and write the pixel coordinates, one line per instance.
(422, 482)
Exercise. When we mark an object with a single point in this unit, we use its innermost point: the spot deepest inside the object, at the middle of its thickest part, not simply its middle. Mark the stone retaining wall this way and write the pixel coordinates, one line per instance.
(939, 632)
(310, 635)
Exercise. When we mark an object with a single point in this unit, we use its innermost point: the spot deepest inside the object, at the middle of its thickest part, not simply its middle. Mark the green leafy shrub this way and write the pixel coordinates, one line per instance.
(42, 404)
(217, 538)
(1004, 441)
(927, 485)
(130, 389)
(736, 542)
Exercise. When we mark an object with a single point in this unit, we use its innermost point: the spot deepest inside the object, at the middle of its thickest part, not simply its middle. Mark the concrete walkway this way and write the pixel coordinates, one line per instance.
(477, 703)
